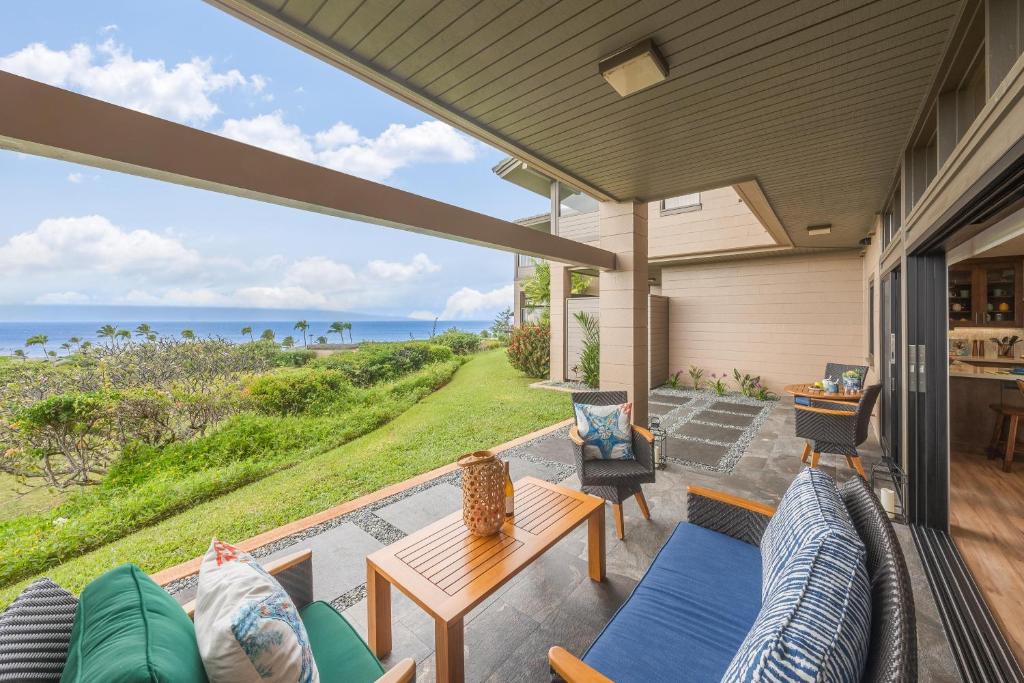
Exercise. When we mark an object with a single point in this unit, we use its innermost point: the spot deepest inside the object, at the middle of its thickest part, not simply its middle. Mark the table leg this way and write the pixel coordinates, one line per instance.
(595, 544)
(378, 606)
(448, 651)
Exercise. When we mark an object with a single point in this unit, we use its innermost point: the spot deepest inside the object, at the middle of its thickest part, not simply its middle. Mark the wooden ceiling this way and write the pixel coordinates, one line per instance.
(814, 99)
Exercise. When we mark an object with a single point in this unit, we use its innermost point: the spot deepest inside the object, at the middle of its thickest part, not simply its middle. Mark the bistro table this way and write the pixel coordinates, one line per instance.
(447, 571)
(809, 391)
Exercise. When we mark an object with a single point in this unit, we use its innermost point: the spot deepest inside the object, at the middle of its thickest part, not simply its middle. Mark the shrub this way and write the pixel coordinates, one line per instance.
(747, 383)
(461, 343)
(590, 357)
(294, 391)
(718, 384)
(294, 358)
(697, 377)
(375, 363)
(529, 349)
(673, 380)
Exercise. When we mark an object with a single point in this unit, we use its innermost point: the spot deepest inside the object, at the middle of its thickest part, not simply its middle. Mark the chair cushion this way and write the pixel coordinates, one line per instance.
(608, 428)
(613, 472)
(341, 655)
(35, 632)
(247, 626)
(688, 615)
(815, 620)
(129, 629)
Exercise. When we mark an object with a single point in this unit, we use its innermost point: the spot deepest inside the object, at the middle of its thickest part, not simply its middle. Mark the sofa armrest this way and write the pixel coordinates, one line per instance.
(403, 672)
(572, 669)
(740, 518)
(295, 574)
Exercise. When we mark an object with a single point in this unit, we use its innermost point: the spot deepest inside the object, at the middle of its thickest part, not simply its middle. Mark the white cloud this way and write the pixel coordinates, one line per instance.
(94, 243)
(402, 272)
(75, 178)
(110, 72)
(109, 28)
(68, 297)
(321, 273)
(342, 148)
(471, 304)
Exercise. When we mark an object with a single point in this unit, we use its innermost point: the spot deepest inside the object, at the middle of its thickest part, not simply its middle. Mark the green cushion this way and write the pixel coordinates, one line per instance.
(129, 629)
(339, 652)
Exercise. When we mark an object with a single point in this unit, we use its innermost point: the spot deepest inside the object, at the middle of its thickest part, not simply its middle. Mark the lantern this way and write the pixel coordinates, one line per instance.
(660, 443)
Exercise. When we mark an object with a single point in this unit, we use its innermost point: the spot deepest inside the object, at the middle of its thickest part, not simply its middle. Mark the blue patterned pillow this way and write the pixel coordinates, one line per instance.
(815, 618)
(606, 431)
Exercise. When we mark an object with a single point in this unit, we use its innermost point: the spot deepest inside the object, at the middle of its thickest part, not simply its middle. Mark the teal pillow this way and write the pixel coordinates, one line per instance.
(128, 629)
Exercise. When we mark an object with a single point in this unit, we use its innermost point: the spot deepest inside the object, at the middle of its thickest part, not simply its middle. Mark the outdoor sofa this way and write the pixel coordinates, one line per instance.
(702, 597)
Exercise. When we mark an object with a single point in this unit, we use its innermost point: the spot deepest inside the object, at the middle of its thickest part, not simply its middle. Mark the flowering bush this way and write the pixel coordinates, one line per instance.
(529, 349)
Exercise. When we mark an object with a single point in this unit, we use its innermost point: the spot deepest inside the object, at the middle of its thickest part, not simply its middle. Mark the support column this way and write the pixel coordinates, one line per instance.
(624, 335)
(559, 292)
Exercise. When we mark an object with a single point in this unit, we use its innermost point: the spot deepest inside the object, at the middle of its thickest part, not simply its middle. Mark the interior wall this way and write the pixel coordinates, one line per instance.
(782, 318)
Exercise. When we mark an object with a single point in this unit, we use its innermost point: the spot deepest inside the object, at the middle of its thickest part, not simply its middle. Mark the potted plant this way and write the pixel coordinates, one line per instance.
(852, 380)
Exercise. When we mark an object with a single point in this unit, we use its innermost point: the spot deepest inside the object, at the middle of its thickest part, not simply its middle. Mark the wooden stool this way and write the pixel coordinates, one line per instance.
(994, 448)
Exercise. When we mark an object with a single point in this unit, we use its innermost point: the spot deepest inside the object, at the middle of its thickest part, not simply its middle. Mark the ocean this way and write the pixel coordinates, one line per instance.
(14, 334)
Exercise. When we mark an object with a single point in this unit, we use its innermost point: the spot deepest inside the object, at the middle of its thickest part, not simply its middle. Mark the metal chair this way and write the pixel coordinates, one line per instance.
(615, 480)
(836, 427)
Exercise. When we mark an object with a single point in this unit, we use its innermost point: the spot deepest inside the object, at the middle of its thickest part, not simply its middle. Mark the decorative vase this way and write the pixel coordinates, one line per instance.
(483, 493)
(851, 383)
(830, 385)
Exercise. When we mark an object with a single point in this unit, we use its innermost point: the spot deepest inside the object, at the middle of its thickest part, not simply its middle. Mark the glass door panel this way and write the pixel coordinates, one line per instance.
(1000, 303)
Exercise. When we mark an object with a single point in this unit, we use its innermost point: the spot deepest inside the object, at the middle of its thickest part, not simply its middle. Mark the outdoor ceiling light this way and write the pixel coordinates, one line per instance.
(821, 229)
(634, 68)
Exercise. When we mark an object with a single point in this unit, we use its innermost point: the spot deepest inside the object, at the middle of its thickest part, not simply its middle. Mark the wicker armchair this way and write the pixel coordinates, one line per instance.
(615, 480)
(836, 427)
(836, 370)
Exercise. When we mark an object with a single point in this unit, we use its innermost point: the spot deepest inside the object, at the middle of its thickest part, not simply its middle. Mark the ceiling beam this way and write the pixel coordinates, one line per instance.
(43, 120)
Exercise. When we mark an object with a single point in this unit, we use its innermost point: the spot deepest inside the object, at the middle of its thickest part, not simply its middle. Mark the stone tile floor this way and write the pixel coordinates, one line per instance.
(553, 601)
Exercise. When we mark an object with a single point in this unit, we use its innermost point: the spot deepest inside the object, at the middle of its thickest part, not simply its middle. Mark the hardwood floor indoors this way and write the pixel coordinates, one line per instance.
(987, 525)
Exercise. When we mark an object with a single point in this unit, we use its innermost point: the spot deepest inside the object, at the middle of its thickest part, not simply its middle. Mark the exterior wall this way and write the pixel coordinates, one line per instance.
(723, 222)
(574, 332)
(782, 318)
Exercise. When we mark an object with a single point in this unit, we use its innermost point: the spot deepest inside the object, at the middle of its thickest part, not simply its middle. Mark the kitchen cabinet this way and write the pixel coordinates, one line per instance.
(986, 293)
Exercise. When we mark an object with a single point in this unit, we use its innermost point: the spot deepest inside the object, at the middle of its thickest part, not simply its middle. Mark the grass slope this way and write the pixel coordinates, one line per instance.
(485, 404)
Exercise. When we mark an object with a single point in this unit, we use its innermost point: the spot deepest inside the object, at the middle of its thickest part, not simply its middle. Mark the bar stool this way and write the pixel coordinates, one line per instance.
(1015, 415)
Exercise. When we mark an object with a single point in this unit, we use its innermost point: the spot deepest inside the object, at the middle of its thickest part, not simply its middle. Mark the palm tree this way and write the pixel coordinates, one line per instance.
(321, 339)
(75, 341)
(302, 325)
(67, 347)
(268, 335)
(144, 330)
(38, 340)
(124, 334)
(337, 328)
(248, 330)
(348, 326)
(86, 345)
(288, 342)
(51, 354)
(108, 332)
(20, 354)
(151, 337)
(188, 334)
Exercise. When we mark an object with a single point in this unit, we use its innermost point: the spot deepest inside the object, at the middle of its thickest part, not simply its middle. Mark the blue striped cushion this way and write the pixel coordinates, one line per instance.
(815, 618)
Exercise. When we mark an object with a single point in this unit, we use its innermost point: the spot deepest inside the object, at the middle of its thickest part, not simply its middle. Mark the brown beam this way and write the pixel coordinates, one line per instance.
(39, 119)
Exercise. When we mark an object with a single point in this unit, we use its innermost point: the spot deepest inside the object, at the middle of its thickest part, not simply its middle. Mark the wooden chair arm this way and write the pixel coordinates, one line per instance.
(276, 567)
(574, 435)
(826, 411)
(572, 669)
(753, 506)
(643, 432)
(403, 672)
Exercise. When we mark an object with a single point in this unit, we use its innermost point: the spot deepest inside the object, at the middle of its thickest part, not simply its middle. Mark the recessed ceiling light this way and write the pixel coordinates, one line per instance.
(634, 68)
(820, 229)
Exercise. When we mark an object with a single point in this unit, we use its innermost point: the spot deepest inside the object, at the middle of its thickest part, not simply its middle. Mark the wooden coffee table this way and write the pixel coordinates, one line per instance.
(447, 571)
(809, 391)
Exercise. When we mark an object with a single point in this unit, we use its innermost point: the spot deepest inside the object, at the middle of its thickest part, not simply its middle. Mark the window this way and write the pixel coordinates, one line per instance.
(526, 261)
(685, 202)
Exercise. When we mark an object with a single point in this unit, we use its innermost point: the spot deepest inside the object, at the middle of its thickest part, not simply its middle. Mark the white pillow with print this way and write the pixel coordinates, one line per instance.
(606, 431)
(248, 629)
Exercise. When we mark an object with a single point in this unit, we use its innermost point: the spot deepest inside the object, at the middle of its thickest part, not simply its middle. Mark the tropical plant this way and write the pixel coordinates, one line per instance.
(321, 339)
(538, 288)
(76, 341)
(461, 343)
(338, 328)
(673, 380)
(696, 377)
(761, 393)
(374, 363)
(19, 353)
(288, 342)
(67, 348)
(746, 382)
(502, 326)
(188, 334)
(38, 340)
(302, 325)
(590, 357)
(107, 332)
(124, 334)
(145, 331)
(267, 335)
(529, 349)
(718, 384)
(248, 330)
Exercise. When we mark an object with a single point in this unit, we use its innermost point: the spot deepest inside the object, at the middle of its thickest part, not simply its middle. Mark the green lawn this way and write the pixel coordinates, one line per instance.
(16, 500)
(485, 404)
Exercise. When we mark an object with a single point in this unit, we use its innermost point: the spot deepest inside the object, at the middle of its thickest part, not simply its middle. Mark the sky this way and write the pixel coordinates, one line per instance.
(72, 234)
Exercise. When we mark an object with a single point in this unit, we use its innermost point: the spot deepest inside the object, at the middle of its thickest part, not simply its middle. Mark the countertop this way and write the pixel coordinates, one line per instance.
(988, 359)
(976, 372)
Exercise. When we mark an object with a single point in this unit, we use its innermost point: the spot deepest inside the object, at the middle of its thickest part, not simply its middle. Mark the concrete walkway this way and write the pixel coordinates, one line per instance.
(553, 602)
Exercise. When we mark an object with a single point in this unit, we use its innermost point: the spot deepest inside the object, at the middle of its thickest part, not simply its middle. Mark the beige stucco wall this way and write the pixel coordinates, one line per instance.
(782, 318)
